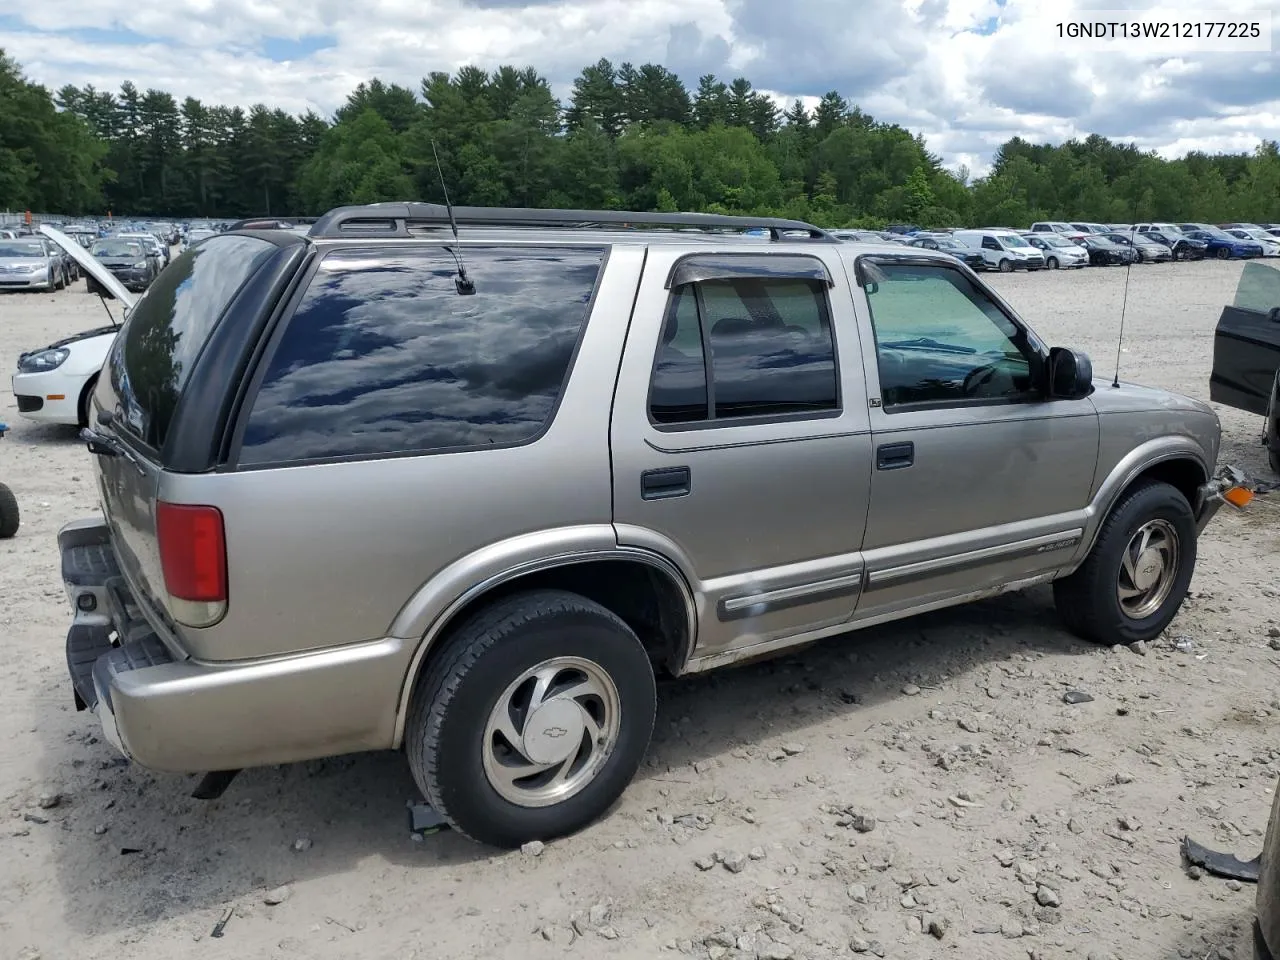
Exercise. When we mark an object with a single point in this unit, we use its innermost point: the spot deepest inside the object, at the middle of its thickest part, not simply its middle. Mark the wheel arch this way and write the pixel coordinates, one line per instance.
(82, 402)
(1175, 460)
(644, 589)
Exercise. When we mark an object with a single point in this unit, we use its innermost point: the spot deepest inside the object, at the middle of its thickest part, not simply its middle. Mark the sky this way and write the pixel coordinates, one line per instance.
(966, 74)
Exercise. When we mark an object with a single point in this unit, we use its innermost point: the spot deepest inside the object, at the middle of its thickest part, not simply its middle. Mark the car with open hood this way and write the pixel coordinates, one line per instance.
(1246, 352)
(129, 261)
(32, 263)
(52, 384)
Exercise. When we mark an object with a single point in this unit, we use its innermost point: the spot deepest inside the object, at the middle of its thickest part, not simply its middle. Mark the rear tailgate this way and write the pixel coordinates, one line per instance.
(138, 393)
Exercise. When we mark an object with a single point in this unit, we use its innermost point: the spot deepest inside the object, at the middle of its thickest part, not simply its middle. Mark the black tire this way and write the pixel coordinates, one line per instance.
(456, 693)
(1271, 429)
(1087, 600)
(1224, 253)
(1052, 263)
(1005, 266)
(9, 516)
(1177, 255)
(82, 407)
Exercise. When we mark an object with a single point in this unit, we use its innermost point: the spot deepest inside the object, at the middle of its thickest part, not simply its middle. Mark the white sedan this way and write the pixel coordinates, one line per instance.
(53, 384)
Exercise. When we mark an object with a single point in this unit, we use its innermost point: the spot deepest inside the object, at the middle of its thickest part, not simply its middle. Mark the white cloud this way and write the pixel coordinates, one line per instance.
(931, 65)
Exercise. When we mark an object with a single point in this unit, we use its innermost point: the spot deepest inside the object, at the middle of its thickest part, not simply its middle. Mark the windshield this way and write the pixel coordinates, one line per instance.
(1012, 240)
(1053, 240)
(948, 244)
(117, 248)
(17, 250)
(1259, 288)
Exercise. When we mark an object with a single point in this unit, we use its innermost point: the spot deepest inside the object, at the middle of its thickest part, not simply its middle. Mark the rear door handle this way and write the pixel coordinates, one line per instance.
(895, 456)
(664, 483)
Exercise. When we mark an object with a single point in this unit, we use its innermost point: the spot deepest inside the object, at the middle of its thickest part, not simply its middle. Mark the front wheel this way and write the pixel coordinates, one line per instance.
(1052, 263)
(9, 516)
(1005, 266)
(1136, 576)
(532, 720)
(1224, 253)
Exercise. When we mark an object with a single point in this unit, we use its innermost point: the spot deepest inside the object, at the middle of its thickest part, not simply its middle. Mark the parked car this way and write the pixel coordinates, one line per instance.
(155, 248)
(1168, 229)
(195, 236)
(1270, 245)
(858, 236)
(1004, 250)
(506, 638)
(1058, 226)
(1246, 353)
(128, 259)
(1104, 252)
(1180, 245)
(1092, 229)
(1220, 244)
(970, 257)
(1148, 249)
(28, 263)
(1058, 250)
(53, 384)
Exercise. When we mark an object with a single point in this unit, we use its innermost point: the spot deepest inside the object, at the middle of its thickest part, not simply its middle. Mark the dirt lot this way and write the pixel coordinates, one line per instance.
(1011, 823)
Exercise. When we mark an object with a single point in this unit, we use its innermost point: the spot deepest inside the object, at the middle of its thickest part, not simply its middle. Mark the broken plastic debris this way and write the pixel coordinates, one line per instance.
(1076, 696)
(222, 924)
(1183, 644)
(1221, 864)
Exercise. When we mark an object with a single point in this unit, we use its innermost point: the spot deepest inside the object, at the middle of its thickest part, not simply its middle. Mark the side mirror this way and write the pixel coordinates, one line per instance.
(1070, 374)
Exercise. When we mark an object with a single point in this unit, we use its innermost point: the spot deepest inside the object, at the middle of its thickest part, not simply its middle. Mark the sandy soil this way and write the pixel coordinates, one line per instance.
(1011, 823)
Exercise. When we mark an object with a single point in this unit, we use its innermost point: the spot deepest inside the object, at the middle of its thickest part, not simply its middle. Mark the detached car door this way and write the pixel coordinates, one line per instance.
(979, 481)
(1246, 344)
(740, 441)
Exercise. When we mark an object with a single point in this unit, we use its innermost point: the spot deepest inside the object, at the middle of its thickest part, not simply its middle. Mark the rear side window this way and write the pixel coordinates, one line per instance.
(384, 357)
(152, 357)
(772, 352)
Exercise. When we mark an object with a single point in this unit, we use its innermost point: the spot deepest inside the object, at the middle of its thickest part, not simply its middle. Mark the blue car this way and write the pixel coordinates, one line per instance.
(1220, 244)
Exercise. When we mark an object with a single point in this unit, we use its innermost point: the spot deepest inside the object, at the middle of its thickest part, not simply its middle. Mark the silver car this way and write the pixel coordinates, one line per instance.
(32, 263)
(381, 488)
(1058, 250)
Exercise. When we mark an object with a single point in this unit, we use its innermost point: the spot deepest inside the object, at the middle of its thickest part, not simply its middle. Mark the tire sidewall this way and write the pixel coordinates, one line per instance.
(464, 788)
(1052, 263)
(1154, 502)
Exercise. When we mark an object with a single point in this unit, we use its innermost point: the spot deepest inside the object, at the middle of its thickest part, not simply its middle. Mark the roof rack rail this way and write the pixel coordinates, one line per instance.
(271, 223)
(397, 219)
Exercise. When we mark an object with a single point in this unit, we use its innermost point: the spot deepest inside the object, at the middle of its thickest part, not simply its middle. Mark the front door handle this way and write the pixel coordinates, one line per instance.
(895, 456)
(664, 483)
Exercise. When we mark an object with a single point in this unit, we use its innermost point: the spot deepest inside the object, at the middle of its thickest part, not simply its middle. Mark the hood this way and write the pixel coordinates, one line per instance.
(92, 266)
(88, 334)
(36, 261)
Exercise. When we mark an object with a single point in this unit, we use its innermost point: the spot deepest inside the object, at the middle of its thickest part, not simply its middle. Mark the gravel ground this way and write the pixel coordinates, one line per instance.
(918, 791)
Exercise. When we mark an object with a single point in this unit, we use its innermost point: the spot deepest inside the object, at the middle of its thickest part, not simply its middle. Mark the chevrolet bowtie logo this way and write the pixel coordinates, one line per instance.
(555, 733)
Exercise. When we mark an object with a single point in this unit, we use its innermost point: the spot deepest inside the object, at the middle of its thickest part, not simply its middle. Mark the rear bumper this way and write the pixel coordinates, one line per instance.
(164, 710)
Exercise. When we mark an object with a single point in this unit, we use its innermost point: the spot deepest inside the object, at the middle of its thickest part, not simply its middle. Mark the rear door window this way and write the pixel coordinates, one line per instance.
(152, 357)
(384, 357)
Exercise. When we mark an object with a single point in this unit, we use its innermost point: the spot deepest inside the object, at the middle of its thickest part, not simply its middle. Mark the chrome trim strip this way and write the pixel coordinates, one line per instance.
(779, 644)
(959, 561)
(768, 601)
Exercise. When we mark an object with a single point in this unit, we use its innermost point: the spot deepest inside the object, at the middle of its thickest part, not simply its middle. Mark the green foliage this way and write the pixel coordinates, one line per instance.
(630, 137)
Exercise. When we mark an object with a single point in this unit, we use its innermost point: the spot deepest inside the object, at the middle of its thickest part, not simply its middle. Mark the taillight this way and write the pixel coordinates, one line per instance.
(193, 554)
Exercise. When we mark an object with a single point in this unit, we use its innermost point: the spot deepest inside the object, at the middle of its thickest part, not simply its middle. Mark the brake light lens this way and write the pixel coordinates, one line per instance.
(193, 552)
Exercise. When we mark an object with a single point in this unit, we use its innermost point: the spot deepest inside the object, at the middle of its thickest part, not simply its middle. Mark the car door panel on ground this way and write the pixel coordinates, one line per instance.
(956, 378)
(741, 398)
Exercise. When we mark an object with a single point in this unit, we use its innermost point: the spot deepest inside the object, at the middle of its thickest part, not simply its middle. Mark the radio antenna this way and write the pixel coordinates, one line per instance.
(1124, 301)
(462, 282)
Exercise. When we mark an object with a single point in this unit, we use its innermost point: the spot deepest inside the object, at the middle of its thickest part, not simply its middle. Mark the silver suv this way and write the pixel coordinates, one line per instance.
(377, 487)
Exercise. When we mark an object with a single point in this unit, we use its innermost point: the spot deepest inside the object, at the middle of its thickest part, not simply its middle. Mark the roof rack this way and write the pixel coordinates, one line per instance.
(271, 223)
(399, 219)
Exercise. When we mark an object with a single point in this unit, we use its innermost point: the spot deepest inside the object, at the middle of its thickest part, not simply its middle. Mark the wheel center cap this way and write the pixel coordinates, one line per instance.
(553, 732)
(1148, 569)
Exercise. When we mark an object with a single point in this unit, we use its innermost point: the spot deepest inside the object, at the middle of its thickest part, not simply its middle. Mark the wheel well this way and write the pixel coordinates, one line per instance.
(1183, 474)
(82, 404)
(646, 598)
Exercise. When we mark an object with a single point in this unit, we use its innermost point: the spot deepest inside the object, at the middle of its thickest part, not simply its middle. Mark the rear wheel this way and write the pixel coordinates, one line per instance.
(1136, 576)
(1271, 432)
(532, 720)
(1005, 266)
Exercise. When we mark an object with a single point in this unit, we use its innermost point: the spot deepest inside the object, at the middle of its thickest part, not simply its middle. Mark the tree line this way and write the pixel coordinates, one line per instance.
(628, 138)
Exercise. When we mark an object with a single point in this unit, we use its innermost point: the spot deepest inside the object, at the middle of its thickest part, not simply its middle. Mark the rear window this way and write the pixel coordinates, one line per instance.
(152, 357)
(384, 357)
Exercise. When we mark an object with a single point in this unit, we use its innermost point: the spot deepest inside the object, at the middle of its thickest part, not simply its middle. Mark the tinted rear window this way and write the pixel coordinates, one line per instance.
(384, 357)
(152, 358)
